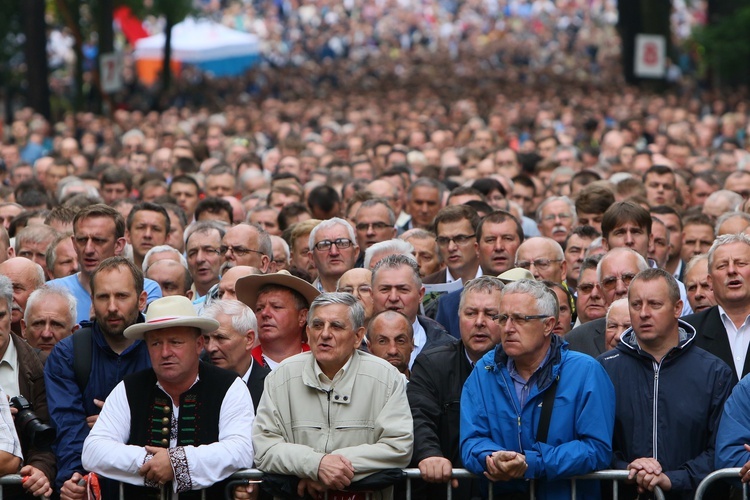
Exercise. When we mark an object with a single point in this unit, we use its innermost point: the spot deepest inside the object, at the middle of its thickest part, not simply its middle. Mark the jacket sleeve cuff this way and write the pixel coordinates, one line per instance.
(536, 467)
(680, 480)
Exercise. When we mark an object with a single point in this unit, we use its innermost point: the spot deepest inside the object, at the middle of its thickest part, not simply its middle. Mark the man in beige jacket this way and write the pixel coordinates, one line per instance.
(335, 415)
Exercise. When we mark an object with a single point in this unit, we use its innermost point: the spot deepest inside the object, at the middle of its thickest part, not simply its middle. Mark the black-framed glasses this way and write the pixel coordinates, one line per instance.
(610, 282)
(238, 251)
(518, 320)
(325, 245)
(376, 226)
(459, 239)
(538, 263)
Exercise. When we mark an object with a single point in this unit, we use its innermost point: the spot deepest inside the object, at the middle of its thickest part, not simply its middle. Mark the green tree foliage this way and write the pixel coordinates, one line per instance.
(725, 46)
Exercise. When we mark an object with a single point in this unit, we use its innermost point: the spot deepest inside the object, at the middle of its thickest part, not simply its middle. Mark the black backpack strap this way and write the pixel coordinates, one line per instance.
(547, 403)
(82, 351)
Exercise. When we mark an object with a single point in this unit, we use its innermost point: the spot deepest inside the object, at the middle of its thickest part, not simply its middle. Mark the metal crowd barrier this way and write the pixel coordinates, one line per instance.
(242, 477)
(733, 473)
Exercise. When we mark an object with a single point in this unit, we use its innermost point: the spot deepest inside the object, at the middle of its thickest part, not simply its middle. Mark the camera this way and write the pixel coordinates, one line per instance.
(39, 434)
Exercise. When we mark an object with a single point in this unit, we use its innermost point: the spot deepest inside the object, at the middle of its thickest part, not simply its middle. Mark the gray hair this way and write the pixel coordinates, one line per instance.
(243, 318)
(356, 311)
(205, 227)
(42, 293)
(595, 245)
(732, 199)
(162, 249)
(133, 133)
(726, 239)
(396, 261)
(695, 261)
(430, 183)
(380, 202)
(422, 234)
(623, 300)
(545, 298)
(264, 239)
(330, 223)
(642, 265)
(37, 233)
(484, 284)
(6, 291)
(391, 247)
(284, 245)
(568, 201)
(50, 257)
(730, 215)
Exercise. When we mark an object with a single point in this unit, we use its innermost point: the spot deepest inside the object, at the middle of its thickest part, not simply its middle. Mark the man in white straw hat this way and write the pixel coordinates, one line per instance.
(156, 426)
(280, 302)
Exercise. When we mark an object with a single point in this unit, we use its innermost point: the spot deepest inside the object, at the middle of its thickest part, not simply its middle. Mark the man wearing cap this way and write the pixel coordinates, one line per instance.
(280, 302)
(182, 423)
(104, 355)
(309, 401)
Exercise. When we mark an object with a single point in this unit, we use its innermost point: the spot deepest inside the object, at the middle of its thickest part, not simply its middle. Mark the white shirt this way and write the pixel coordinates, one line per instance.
(9, 370)
(739, 339)
(450, 279)
(106, 453)
(420, 339)
(9, 442)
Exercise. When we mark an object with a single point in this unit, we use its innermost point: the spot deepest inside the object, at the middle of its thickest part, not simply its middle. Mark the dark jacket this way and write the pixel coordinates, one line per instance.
(434, 392)
(447, 312)
(436, 334)
(436, 278)
(31, 386)
(712, 337)
(588, 338)
(668, 410)
(255, 382)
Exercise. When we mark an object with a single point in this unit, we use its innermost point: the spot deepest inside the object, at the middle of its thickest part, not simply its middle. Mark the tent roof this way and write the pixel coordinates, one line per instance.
(196, 41)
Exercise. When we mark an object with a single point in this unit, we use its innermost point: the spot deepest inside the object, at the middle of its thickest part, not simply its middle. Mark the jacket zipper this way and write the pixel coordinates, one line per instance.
(518, 413)
(654, 424)
(328, 434)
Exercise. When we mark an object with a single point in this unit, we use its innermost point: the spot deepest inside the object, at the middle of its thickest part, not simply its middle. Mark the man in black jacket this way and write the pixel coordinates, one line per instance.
(657, 370)
(435, 385)
(230, 346)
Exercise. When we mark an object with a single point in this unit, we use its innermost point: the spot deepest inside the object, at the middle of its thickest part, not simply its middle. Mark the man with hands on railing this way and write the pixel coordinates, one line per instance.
(532, 409)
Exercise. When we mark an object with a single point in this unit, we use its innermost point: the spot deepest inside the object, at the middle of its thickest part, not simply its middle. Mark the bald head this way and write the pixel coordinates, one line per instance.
(543, 257)
(230, 277)
(172, 276)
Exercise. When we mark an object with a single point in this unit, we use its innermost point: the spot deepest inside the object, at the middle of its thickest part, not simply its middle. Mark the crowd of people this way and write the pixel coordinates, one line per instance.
(446, 242)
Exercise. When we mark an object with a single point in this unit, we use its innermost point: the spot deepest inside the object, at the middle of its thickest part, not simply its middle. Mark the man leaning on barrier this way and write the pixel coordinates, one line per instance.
(182, 423)
(532, 409)
(335, 415)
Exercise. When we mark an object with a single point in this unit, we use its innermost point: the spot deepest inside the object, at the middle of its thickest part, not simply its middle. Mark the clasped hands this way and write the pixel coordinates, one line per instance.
(647, 474)
(505, 466)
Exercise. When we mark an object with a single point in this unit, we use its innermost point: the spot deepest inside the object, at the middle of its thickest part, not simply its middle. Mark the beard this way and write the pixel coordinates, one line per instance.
(117, 331)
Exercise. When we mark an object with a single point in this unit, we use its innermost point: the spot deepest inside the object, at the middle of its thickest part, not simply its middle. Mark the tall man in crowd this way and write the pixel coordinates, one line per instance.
(498, 439)
(658, 358)
(209, 410)
(83, 369)
(98, 234)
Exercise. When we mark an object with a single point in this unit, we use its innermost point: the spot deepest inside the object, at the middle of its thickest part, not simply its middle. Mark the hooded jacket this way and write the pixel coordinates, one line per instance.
(668, 409)
(580, 433)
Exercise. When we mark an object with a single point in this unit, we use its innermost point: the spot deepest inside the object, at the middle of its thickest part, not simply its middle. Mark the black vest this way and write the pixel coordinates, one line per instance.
(198, 422)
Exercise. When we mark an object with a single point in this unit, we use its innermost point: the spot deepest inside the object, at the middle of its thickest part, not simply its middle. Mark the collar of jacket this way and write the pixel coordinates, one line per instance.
(342, 391)
(551, 367)
(629, 343)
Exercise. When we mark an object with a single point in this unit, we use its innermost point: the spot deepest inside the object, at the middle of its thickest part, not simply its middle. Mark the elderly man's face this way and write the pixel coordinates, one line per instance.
(204, 257)
(390, 340)
(424, 204)
(729, 274)
(589, 301)
(574, 252)
(228, 348)
(22, 273)
(170, 276)
(479, 333)
(696, 239)
(332, 337)
(49, 322)
(541, 258)
(334, 261)
(396, 289)
(556, 221)
(699, 292)
(240, 247)
(115, 301)
(175, 353)
(229, 279)
(617, 271)
(373, 226)
(66, 261)
(358, 282)
(35, 251)
(523, 340)
(618, 320)
(425, 251)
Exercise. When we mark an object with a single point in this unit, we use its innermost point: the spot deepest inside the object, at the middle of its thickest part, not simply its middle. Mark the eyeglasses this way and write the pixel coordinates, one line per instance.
(518, 320)
(538, 263)
(586, 288)
(238, 251)
(193, 253)
(610, 282)
(361, 290)
(376, 226)
(552, 217)
(325, 245)
(459, 239)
